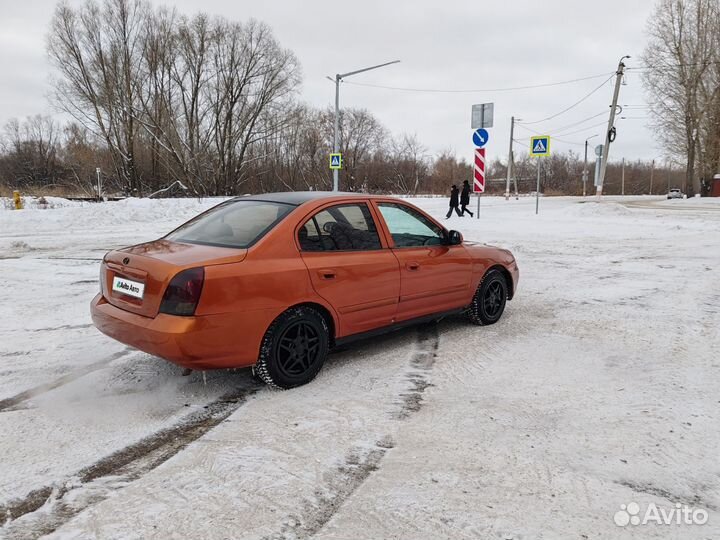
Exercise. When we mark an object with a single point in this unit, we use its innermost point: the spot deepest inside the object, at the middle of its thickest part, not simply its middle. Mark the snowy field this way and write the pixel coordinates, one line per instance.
(598, 388)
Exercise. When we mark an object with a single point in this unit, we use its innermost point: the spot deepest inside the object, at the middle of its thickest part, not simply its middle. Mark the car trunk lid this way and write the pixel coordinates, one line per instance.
(135, 279)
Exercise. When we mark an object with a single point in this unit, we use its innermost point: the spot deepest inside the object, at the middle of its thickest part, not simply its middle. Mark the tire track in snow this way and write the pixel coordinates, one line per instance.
(694, 500)
(9, 404)
(341, 482)
(63, 327)
(48, 508)
(421, 365)
(339, 485)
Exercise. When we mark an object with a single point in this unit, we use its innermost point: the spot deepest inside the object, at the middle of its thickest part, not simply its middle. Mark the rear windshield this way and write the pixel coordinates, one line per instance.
(237, 224)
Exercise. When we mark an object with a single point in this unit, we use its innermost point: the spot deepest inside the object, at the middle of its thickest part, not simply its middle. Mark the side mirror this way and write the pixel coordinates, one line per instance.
(455, 238)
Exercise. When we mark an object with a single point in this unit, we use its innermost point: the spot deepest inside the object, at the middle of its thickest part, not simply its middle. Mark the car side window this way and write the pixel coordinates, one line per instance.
(345, 227)
(409, 228)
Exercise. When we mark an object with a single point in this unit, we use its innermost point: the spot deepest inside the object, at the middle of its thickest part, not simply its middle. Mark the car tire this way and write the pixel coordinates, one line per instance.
(489, 301)
(294, 348)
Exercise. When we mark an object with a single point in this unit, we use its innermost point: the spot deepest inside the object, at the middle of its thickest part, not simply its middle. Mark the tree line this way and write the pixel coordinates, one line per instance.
(42, 156)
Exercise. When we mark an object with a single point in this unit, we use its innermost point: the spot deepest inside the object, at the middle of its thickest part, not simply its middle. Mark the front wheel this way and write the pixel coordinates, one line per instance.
(294, 348)
(488, 304)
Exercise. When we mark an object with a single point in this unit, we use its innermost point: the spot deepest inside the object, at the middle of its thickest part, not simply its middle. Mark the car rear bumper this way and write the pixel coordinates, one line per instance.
(207, 342)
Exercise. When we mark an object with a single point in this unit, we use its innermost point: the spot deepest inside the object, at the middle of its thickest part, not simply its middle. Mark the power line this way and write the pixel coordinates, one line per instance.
(578, 122)
(530, 129)
(569, 142)
(452, 91)
(559, 131)
(584, 129)
(653, 67)
(554, 133)
(573, 105)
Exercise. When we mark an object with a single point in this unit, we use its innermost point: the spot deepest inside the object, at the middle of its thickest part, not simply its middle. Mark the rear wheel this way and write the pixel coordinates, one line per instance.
(294, 348)
(489, 301)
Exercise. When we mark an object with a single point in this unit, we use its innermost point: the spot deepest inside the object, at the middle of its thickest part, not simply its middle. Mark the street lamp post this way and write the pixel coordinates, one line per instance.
(336, 143)
(585, 171)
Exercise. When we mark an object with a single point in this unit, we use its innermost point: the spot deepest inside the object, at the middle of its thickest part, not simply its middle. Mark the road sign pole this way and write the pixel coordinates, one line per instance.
(336, 177)
(539, 148)
(537, 188)
(482, 118)
(510, 159)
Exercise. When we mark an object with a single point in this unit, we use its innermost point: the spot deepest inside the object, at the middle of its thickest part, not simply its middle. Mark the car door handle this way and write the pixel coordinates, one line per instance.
(412, 265)
(326, 274)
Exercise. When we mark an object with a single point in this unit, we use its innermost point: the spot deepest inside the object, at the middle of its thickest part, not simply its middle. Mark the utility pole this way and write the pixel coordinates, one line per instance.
(652, 172)
(585, 168)
(336, 142)
(585, 171)
(610, 134)
(623, 178)
(510, 161)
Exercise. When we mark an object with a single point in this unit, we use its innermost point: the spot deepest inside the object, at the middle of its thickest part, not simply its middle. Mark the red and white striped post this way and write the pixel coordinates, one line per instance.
(479, 176)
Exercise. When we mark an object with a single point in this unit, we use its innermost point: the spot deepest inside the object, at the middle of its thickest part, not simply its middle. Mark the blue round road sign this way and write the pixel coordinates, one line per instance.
(481, 137)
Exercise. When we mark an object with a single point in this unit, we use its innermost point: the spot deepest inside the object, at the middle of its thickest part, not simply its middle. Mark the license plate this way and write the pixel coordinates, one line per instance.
(129, 287)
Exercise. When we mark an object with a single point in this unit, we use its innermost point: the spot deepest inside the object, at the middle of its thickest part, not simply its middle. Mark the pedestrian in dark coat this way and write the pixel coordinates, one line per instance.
(454, 195)
(465, 198)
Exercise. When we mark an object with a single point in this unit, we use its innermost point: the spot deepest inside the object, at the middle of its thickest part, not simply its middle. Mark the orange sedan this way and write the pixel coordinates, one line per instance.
(276, 280)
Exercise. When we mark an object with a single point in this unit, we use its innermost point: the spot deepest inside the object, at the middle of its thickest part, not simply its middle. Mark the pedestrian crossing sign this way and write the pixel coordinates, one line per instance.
(540, 146)
(335, 161)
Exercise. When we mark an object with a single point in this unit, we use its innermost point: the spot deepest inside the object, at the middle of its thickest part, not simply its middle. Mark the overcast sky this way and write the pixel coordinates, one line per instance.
(442, 44)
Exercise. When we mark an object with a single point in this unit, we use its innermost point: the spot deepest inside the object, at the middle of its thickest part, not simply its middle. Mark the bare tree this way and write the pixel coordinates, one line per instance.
(681, 55)
(362, 136)
(253, 75)
(408, 164)
(31, 151)
(96, 49)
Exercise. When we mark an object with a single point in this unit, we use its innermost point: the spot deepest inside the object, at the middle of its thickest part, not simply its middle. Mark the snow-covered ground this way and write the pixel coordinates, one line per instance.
(598, 388)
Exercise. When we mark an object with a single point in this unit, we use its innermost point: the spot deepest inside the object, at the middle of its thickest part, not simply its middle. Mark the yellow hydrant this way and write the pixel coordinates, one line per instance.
(17, 200)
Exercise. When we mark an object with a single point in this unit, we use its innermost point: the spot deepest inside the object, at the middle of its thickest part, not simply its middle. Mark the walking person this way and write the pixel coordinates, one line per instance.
(454, 194)
(465, 199)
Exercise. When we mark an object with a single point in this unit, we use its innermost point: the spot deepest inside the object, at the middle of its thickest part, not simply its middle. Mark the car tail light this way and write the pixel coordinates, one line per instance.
(183, 294)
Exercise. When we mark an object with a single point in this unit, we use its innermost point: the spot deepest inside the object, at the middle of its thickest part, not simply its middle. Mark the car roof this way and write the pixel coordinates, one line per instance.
(300, 197)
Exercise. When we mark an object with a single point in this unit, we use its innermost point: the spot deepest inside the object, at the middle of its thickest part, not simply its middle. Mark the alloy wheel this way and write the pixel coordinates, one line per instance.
(298, 349)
